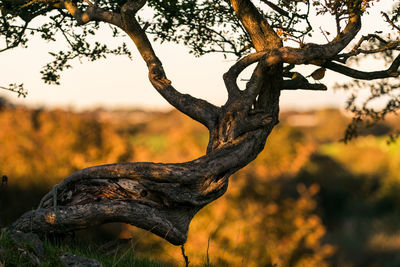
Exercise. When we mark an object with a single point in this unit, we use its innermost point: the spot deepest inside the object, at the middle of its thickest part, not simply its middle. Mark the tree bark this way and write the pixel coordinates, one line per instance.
(163, 198)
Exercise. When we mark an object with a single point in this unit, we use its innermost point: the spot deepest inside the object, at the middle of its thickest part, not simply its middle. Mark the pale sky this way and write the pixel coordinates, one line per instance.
(119, 82)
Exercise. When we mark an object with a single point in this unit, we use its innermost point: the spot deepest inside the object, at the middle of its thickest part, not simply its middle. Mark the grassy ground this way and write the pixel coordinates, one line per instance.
(14, 253)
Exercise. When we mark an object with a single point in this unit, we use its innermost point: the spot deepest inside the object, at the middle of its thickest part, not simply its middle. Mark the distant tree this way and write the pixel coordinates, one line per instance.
(163, 198)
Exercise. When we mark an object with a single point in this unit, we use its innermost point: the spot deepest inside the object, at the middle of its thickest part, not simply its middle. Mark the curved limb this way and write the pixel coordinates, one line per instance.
(198, 109)
(161, 198)
(392, 71)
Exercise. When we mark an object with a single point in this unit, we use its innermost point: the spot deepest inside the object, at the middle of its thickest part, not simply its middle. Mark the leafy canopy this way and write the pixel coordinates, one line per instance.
(207, 26)
(204, 26)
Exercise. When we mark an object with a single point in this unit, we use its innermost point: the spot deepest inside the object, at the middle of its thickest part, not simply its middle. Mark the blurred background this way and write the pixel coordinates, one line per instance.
(307, 200)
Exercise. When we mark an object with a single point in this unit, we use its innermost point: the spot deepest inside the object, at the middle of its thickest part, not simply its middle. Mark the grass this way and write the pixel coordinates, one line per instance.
(17, 254)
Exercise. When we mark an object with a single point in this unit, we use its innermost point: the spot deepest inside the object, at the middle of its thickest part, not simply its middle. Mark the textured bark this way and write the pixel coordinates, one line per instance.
(163, 198)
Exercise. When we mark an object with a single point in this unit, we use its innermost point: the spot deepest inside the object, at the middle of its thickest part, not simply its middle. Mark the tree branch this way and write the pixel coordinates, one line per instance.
(253, 87)
(277, 8)
(314, 53)
(284, 12)
(231, 85)
(19, 89)
(392, 71)
(261, 33)
(161, 198)
(230, 77)
(309, 54)
(70, 218)
(300, 82)
(388, 20)
(19, 39)
(197, 109)
(92, 13)
(387, 45)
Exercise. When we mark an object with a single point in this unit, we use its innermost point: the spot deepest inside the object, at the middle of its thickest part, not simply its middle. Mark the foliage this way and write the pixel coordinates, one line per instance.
(384, 99)
(15, 28)
(294, 205)
(203, 26)
(208, 26)
(245, 120)
(19, 89)
(256, 223)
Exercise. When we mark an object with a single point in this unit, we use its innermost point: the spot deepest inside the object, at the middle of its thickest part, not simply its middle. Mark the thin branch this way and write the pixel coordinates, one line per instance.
(198, 109)
(392, 71)
(390, 21)
(276, 8)
(324, 34)
(19, 89)
(282, 12)
(18, 41)
(308, 54)
(303, 85)
(387, 45)
(337, 20)
(224, 40)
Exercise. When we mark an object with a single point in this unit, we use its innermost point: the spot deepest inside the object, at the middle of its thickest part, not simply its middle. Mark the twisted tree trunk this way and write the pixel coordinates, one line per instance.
(163, 198)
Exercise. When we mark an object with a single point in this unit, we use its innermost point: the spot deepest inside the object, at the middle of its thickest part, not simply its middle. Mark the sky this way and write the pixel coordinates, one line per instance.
(118, 82)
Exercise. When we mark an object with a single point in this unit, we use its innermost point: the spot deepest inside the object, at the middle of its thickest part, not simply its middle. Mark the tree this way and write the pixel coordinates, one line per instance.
(163, 198)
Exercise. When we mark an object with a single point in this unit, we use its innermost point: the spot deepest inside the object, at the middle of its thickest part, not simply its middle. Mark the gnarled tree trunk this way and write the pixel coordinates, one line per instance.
(163, 198)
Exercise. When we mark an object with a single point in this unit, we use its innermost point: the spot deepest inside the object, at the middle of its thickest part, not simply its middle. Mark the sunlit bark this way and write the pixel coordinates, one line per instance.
(163, 198)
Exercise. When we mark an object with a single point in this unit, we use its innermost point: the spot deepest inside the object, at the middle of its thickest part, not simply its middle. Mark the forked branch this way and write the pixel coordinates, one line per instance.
(261, 33)
(386, 46)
